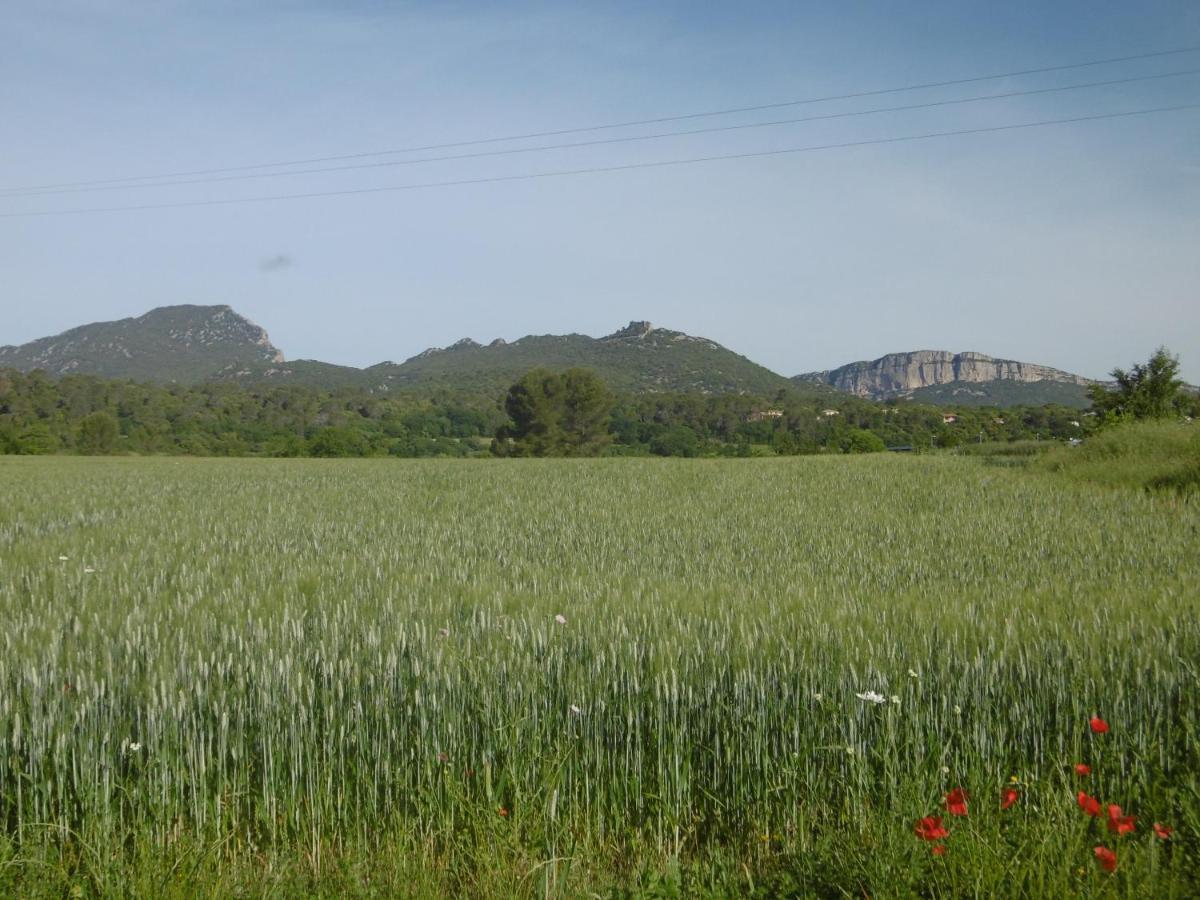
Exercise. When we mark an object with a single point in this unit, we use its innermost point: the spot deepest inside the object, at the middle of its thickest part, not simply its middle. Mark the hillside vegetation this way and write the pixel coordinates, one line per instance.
(636, 358)
(1003, 393)
(89, 415)
(1153, 456)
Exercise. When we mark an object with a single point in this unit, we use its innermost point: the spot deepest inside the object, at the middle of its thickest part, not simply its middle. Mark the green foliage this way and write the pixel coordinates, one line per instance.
(97, 416)
(1003, 393)
(1183, 480)
(332, 696)
(1149, 391)
(339, 440)
(39, 414)
(98, 433)
(36, 440)
(555, 414)
(858, 440)
(1027, 449)
(675, 440)
(587, 409)
(1156, 456)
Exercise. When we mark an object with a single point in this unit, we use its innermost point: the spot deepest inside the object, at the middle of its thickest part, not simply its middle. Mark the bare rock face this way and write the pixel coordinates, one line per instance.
(898, 374)
(632, 330)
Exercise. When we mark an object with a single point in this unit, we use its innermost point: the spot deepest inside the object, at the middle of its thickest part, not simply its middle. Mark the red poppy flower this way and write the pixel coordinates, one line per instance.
(502, 811)
(1163, 831)
(956, 802)
(930, 829)
(939, 849)
(1089, 805)
(1099, 726)
(1008, 797)
(1083, 770)
(1118, 823)
(1106, 858)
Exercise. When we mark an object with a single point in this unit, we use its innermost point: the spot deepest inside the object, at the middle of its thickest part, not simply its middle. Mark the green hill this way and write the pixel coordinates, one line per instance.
(637, 358)
(171, 343)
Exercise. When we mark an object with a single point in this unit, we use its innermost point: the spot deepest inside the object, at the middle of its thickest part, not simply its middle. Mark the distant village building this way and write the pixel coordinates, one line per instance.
(830, 412)
(949, 418)
(997, 421)
(764, 414)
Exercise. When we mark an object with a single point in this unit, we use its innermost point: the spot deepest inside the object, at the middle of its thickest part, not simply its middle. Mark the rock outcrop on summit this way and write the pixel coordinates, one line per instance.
(900, 374)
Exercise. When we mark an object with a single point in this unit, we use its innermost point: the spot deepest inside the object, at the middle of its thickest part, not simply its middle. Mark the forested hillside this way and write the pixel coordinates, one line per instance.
(87, 414)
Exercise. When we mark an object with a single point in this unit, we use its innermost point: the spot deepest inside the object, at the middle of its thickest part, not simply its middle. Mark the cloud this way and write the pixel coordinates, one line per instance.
(275, 263)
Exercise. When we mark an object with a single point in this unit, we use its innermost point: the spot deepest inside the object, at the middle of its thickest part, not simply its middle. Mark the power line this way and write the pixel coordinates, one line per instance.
(626, 124)
(600, 169)
(602, 141)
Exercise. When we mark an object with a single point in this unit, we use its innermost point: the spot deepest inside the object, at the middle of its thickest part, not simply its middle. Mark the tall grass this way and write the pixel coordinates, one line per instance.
(1155, 456)
(349, 676)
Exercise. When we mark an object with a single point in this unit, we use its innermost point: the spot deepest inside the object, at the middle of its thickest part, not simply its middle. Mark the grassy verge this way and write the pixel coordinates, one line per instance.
(1151, 456)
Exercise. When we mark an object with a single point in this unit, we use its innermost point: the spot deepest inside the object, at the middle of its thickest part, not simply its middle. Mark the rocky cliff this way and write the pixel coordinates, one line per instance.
(899, 374)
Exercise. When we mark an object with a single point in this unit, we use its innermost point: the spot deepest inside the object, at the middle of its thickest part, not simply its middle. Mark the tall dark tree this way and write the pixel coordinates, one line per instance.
(1147, 391)
(555, 414)
(587, 409)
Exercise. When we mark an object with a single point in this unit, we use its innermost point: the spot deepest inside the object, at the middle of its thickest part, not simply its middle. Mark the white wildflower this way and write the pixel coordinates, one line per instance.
(945, 770)
(818, 697)
(576, 710)
(849, 751)
(88, 570)
(913, 674)
(871, 697)
(63, 558)
(958, 710)
(895, 700)
(560, 619)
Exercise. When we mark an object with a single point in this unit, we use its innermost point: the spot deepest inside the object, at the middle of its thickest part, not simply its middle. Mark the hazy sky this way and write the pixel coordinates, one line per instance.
(1072, 245)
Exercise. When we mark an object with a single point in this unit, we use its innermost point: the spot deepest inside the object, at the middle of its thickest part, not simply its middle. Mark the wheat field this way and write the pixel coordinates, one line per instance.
(590, 677)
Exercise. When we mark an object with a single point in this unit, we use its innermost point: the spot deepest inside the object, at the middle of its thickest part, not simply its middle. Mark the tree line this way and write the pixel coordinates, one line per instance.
(545, 413)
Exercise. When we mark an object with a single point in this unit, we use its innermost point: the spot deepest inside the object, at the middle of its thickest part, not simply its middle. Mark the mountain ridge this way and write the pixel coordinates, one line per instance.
(638, 357)
(193, 343)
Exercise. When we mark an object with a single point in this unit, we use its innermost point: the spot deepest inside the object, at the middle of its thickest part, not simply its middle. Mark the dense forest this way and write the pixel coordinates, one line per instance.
(91, 415)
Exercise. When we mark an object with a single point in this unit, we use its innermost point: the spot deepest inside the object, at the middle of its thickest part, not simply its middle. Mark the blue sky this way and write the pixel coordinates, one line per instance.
(1071, 245)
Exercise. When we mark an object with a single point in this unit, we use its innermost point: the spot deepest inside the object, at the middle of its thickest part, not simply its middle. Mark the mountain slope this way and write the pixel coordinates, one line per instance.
(1003, 393)
(937, 376)
(171, 343)
(639, 357)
